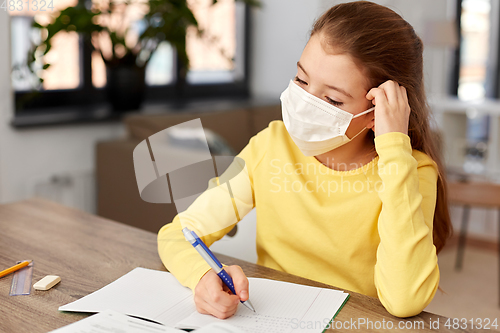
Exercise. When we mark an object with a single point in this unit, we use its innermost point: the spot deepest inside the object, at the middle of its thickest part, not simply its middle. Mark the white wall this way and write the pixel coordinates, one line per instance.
(279, 36)
(280, 33)
(38, 153)
(5, 91)
(281, 30)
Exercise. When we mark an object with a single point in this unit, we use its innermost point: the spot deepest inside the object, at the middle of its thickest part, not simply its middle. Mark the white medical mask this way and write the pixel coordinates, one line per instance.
(315, 125)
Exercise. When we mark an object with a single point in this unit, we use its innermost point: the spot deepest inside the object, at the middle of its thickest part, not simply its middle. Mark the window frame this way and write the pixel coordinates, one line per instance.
(493, 67)
(88, 95)
(455, 72)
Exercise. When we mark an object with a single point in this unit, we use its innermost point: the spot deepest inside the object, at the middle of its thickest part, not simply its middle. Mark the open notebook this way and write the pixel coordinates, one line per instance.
(158, 296)
(112, 321)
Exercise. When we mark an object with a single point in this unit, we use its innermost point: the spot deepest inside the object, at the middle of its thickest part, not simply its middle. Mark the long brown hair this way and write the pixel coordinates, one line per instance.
(386, 46)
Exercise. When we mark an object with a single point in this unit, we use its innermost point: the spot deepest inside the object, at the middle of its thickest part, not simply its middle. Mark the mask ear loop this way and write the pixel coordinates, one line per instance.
(357, 134)
(364, 112)
(358, 115)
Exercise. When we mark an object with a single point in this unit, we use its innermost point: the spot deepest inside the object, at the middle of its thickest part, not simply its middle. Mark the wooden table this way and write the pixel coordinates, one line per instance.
(473, 194)
(89, 252)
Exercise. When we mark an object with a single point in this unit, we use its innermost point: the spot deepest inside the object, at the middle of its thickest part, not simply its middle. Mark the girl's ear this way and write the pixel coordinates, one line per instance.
(371, 124)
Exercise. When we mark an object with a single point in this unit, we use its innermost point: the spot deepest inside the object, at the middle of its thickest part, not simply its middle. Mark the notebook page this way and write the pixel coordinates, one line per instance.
(143, 293)
(280, 307)
(112, 321)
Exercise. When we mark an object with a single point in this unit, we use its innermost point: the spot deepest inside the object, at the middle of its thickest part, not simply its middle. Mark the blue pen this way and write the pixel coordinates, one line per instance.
(214, 263)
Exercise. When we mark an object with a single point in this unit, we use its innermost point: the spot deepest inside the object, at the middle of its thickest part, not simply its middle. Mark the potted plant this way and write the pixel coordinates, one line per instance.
(162, 20)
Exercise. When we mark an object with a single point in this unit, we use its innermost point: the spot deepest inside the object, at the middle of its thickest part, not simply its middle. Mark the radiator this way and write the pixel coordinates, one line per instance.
(73, 189)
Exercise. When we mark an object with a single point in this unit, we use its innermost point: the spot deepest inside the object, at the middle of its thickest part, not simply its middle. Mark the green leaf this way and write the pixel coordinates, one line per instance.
(48, 47)
(167, 20)
(252, 3)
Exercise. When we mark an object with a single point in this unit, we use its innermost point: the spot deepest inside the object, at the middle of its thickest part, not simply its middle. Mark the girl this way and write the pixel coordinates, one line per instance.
(349, 187)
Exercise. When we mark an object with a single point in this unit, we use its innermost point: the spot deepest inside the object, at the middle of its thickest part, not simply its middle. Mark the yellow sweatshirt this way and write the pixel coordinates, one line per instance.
(367, 230)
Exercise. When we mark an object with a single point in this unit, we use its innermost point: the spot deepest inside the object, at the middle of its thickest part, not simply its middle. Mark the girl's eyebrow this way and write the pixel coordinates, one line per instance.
(331, 87)
(302, 68)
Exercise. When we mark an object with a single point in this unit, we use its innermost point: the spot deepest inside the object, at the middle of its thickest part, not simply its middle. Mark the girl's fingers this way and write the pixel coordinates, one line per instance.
(405, 97)
(240, 281)
(226, 307)
(390, 89)
(401, 99)
(212, 290)
(377, 96)
(221, 299)
(389, 93)
(219, 303)
(221, 313)
(392, 110)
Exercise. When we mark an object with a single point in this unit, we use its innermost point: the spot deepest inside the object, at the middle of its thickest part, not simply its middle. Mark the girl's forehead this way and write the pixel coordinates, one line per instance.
(332, 68)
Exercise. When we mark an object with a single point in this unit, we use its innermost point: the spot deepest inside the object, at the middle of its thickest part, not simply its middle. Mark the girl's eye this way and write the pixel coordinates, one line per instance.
(299, 80)
(331, 101)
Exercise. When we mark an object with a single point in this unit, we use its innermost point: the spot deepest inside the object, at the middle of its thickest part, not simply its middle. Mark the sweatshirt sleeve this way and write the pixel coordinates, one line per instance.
(212, 215)
(406, 272)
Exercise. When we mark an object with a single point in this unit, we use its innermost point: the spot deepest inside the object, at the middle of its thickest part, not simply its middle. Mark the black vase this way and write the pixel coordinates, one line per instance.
(125, 87)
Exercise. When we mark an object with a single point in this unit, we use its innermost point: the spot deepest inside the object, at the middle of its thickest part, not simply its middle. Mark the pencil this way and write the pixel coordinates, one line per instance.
(14, 268)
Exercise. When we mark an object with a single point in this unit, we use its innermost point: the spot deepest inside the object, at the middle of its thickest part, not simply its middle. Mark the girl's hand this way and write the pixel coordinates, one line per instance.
(213, 297)
(392, 111)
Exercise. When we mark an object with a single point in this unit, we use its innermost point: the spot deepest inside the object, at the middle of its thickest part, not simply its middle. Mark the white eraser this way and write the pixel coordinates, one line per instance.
(47, 282)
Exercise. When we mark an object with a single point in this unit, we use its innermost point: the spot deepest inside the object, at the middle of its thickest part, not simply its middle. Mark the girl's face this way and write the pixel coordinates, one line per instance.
(336, 79)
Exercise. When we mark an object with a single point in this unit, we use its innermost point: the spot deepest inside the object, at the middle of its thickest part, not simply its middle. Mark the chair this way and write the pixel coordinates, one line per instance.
(473, 194)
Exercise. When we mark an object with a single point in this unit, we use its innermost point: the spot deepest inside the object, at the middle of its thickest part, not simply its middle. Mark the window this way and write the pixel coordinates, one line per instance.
(210, 58)
(476, 72)
(77, 76)
(64, 74)
(475, 26)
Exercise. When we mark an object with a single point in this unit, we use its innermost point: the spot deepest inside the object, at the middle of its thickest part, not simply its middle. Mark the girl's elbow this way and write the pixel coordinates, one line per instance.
(408, 304)
(404, 309)
(403, 298)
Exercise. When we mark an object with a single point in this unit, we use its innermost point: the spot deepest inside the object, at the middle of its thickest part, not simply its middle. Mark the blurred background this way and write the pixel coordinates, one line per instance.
(116, 73)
